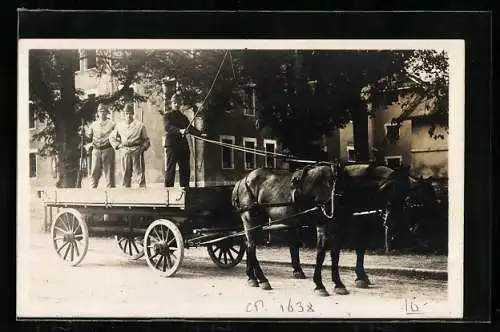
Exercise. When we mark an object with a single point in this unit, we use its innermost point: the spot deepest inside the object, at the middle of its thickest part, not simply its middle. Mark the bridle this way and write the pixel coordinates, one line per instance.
(297, 187)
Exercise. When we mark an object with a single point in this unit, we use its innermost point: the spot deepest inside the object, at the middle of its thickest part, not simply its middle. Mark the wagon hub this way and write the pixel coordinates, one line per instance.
(69, 237)
(162, 248)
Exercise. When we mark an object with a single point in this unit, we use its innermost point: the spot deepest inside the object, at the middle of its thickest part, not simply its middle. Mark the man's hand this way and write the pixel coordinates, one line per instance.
(182, 131)
(88, 146)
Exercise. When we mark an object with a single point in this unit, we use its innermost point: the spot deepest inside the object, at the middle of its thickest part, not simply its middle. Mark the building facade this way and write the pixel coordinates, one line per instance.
(395, 145)
(211, 164)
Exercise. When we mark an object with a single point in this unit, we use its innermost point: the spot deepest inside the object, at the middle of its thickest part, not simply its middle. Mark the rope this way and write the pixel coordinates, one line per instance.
(257, 151)
(209, 91)
(260, 226)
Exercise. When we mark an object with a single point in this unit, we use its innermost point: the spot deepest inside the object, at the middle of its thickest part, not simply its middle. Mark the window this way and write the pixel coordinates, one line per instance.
(32, 122)
(270, 146)
(32, 164)
(351, 153)
(393, 162)
(227, 153)
(392, 132)
(249, 100)
(250, 157)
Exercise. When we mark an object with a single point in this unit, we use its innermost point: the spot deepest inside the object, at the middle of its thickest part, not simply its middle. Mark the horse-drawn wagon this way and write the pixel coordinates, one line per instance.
(158, 223)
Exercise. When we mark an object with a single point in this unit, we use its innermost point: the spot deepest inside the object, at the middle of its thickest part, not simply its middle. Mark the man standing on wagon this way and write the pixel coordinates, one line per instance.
(103, 155)
(131, 138)
(176, 144)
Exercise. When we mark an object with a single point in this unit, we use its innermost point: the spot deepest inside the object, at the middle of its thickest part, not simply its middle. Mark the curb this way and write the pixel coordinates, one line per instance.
(403, 271)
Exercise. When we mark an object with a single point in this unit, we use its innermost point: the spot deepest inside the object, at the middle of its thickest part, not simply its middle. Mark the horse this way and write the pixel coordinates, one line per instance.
(342, 189)
(366, 188)
(270, 194)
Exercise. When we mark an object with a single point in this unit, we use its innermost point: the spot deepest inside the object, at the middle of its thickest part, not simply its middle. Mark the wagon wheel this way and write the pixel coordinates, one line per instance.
(226, 254)
(164, 247)
(70, 236)
(130, 245)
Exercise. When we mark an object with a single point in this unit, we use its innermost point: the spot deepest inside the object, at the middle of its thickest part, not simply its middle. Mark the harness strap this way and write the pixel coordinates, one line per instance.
(238, 234)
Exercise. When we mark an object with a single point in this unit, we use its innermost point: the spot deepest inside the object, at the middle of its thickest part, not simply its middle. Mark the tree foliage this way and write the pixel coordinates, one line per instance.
(302, 94)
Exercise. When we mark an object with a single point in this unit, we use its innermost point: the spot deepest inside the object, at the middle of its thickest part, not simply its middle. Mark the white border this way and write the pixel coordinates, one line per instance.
(456, 53)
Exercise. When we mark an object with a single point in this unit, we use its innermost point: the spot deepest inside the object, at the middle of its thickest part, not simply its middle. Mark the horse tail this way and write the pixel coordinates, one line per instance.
(236, 195)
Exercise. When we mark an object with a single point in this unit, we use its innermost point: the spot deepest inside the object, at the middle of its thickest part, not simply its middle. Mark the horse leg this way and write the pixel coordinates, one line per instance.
(293, 238)
(335, 245)
(250, 246)
(360, 240)
(256, 273)
(321, 240)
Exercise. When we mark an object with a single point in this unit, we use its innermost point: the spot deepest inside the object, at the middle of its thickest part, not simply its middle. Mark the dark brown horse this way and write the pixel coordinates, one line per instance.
(272, 194)
(275, 194)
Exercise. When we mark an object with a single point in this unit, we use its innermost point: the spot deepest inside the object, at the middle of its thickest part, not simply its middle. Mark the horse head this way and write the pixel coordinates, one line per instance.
(313, 184)
(422, 193)
(396, 186)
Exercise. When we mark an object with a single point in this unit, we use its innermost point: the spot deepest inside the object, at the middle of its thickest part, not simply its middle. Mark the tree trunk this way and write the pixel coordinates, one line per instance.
(67, 123)
(360, 133)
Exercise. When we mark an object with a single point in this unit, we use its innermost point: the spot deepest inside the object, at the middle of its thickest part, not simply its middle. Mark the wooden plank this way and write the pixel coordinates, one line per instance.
(174, 197)
(159, 197)
(80, 196)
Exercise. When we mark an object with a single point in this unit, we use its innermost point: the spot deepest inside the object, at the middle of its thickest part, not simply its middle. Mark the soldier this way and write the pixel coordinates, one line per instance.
(131, 138)
(103, 155)
(176, 144)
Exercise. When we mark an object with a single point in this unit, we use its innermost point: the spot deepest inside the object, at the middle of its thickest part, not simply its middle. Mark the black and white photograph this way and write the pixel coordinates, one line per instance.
(242, 178)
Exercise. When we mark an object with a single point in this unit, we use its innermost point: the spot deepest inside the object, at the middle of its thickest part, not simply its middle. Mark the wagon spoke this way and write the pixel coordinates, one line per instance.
(156, 254)
(170, 242)
(230, 255)
(173, 255)
(129, 247)
(135, 246)
(78, 227)
(225, 257)
(59, 238)
(79, 236)
(158, 237)
(60, 229)
(235, 251)
(167, 233)
(76, 248)
(63, 222)
(167, 263)
(61, 247)
(72, 224)
(72, 251)
(158, 262)
(66, 252)
(220, 256)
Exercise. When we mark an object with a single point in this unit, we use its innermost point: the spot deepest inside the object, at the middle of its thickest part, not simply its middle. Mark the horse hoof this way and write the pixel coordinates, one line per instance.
(340, 291)
(265, 285)
(252, 283)
(321, 292)
(362, 283)
(299, 275)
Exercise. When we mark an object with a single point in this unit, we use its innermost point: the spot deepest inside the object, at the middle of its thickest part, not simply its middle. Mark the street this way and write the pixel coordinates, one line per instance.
(106, 284)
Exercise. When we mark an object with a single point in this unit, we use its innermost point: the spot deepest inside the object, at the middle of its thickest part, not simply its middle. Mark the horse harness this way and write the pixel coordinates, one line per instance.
(297, 198)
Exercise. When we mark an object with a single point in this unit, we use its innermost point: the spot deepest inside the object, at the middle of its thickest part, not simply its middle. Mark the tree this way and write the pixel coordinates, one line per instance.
(304, 94)
(65, 109)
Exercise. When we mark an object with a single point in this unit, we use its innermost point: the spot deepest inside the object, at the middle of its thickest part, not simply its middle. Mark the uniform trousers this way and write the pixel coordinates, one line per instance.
(103, 161)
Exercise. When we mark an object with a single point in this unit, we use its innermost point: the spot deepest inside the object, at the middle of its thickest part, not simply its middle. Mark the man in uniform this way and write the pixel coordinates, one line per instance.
(131, 138)
(103, 155)
(176, 144)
